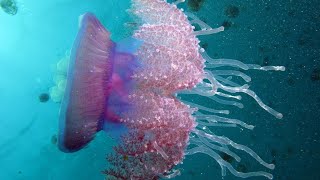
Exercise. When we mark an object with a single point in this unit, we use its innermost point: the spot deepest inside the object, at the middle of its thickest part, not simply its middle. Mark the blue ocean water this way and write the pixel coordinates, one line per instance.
(263, 32)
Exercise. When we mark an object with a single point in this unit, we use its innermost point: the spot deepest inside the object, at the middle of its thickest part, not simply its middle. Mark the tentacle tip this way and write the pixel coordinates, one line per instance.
(279, 116)
(271, 166)
(241, 106)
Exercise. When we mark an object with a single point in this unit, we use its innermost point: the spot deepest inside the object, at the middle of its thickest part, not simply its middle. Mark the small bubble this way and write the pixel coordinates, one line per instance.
(44, 97)
(232, 11)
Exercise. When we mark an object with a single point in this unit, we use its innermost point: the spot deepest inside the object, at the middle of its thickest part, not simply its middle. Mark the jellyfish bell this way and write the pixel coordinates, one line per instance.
(98, 83)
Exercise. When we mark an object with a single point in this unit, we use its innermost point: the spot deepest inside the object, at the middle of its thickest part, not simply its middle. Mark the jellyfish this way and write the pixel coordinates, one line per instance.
(9, 6)
(130, 89)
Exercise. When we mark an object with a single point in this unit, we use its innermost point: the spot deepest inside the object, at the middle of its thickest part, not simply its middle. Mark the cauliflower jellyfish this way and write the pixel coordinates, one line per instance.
(128, 88)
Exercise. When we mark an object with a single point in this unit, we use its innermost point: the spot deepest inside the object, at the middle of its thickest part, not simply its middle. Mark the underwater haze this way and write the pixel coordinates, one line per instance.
(36, 35)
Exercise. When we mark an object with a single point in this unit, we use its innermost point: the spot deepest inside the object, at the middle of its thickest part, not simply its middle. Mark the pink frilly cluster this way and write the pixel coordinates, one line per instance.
(160, 125)
(158, 135)
(170, 50)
